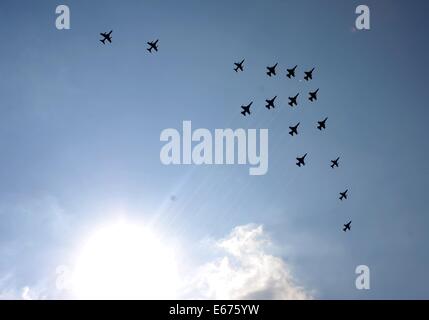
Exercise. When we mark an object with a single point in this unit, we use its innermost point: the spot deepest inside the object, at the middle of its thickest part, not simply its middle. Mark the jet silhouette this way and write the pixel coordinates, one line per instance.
(293, 100)
(343, 195)
(270, 103)
(301, 161)
(308, 75)
(347, 226)
(322, 124)
(246, 109)
(238, 66)
(272, 70)
(294, 130)
(291, 72)
(153, 45)
(313, 95)
(106, 36)
(335, 163)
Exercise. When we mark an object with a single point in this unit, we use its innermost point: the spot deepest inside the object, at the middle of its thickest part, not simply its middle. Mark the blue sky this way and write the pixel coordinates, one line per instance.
(80, 125)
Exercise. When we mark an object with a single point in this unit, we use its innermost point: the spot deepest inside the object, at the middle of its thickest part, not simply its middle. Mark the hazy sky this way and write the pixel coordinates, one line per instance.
(80, 125)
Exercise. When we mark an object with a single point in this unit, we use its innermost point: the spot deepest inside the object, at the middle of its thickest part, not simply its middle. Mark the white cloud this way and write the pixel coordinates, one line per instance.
(246, 270)
(37, 292)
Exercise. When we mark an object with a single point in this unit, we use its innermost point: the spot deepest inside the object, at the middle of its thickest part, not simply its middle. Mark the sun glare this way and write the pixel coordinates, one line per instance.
(124, 261)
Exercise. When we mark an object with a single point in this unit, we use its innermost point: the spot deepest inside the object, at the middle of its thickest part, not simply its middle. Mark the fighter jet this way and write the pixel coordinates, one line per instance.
(106, 36)
(246, 109)
(272, 70)
(335, 163)
(294, 130)
(291, 72)
(301, 160)
(153, 45)
(313, 95)
(238, 66)
(343, 195)
(292, 100)
(270, 103)
(347, 226)
(322, 124)
(308, 75)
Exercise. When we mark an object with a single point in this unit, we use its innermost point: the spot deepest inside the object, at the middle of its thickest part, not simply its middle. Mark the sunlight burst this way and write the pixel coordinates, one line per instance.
(125, 261)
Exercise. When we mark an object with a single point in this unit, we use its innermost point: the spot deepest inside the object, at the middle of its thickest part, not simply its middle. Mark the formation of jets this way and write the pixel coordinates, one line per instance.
(271, 71)
(293, 102)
